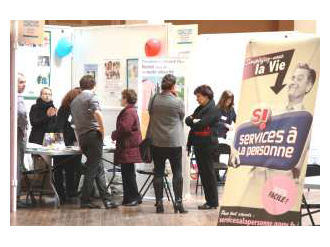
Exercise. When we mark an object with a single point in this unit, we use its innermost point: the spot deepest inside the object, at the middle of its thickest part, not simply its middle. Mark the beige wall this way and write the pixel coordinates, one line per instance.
(305, 26)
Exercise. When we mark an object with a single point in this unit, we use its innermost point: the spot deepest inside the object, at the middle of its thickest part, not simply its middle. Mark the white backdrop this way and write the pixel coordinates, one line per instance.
(60, 77)
(94, 44)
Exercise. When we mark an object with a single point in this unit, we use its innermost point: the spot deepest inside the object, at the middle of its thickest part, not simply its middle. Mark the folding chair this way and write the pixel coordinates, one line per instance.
(30, 183)
(312, 170)
(151, 174)
(221, 149)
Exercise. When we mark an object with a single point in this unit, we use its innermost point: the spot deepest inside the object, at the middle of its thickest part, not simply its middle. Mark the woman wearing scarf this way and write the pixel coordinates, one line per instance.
(42, 116)
(204, 137)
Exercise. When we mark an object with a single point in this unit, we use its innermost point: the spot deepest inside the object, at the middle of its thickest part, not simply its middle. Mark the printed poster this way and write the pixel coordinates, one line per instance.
(132, 73)
(270, 150)
(184, 39)
(110, 87)
(91, 69)
(152, 71)
(35, 64)
(30, 32)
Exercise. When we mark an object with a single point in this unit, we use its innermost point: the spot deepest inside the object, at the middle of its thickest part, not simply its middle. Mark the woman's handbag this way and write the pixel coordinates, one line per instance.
(145, 145)
(145, 150)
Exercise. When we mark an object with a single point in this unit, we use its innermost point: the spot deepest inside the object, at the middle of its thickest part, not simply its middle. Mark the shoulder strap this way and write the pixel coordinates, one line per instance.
(152, 104)
(150, 113)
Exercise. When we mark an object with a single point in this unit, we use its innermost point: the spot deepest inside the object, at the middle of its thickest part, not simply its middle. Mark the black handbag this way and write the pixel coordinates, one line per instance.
(145, 150)
(145, 145)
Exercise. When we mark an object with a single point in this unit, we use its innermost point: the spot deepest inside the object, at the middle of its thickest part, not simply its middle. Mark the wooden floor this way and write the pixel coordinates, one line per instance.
(142, 215)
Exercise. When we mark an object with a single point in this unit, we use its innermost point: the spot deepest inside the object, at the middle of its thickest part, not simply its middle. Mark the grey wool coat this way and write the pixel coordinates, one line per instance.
(166, 121)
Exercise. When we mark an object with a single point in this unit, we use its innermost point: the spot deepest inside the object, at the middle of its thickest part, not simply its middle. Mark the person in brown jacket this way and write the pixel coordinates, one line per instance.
(128, 137)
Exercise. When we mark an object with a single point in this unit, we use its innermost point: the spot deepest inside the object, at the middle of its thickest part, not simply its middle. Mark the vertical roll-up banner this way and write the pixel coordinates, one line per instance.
(275, 114)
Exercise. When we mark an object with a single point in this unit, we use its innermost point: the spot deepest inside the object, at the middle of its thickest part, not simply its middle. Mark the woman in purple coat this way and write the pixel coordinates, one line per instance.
(128, 137)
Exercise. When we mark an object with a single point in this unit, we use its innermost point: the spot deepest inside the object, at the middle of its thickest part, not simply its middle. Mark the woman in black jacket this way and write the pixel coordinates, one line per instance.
(227, 116)
(42, 116)
(70, 164)
(227, 113)
(203, 136)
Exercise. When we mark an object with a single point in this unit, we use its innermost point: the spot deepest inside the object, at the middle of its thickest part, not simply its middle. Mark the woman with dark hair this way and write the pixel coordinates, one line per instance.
(71, 164)
(227, 113)
(203, 136)
(128, 138)
(166, 112)
(227, 116)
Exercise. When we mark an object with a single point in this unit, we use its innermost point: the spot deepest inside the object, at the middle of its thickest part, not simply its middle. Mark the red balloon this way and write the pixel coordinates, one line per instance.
(152, 47)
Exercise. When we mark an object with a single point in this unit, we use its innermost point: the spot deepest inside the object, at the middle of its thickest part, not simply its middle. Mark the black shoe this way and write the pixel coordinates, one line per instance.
(73, 194)
(159, 207)
(89, 205)
(178, 207)
(205, 206)
(139, 200)
(131, 203)
(63, 199)
(21, 204)
(109, 204)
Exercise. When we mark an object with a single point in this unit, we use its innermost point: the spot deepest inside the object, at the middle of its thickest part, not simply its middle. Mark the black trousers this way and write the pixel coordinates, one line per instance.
(204, 158)
(91, 145)
(129, 182)
(160, 155)
(70, 164)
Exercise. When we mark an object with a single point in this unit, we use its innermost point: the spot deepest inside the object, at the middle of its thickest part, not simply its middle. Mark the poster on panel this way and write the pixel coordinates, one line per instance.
(91, 69)
(35, 63)
(30, 32)
(112, 83)
(132, 66)
(269, 154)
(151, 72)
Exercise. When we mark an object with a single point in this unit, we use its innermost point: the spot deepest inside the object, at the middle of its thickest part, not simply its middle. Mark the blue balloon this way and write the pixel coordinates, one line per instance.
(64, 47)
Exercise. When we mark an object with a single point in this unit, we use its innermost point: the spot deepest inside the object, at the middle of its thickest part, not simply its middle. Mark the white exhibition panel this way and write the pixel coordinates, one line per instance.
(92, 45)
(60, 75)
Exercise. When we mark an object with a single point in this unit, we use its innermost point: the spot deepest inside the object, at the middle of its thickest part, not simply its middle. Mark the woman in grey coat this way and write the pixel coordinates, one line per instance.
(166, 132)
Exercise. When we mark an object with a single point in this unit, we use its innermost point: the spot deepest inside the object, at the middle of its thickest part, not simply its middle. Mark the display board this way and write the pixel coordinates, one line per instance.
(152, 70)
(132, 72)
(34, 63)
(109, 47)
(275, 114)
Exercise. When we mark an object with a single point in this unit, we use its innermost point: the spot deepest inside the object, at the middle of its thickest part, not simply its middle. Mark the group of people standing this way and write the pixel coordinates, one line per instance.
(167, 115)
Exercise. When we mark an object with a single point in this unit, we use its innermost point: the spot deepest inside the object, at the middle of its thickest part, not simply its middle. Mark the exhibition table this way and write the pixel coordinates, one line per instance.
(48, 154)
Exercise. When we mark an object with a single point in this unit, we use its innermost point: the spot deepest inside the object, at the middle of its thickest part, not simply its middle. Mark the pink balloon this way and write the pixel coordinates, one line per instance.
(152, 47)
